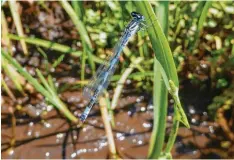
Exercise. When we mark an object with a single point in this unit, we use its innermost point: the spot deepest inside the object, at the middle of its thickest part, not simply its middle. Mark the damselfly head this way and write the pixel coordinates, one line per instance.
(137, 16)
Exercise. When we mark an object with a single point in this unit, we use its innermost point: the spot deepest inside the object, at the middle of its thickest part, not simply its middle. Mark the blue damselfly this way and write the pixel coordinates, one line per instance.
(102, 78)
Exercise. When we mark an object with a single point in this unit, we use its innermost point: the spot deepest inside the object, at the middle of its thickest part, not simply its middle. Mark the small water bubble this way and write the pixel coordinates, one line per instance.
(78, 44)
(75, 137)
(192, 110)
(211, 128)
(84, 150)
(59, 135)
(95, 149)
(204, 123)
(129, 113)
(47, 154)
(31, 124)
(169, 118)
(76, 113)
(73, 155)
(102, 144)
(38, 112)
(37, 134)
(146, 125)
(94, 121)
(52, 69)
(13, 49)
(193, 120)
(204, 65)
(49, 108)
(134, 140)
(81, 105)
(84, 129)
(44, 108)
(171, 101)
(139, 99)
(143, 109)
(120, 136)
(132, 131)
(140, 142)
(32, 72)
(78, 151)
(11, 152)
(29, 133)
(150, 106)
(128, 81)
(47, 125)
(56, 84)
(81, 151)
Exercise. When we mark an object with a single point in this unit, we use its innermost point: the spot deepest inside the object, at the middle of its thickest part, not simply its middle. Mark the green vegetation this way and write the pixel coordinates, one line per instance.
(183, 41)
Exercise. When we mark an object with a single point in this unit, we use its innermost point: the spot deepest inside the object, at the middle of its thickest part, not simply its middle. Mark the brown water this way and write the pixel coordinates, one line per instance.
(41, 132)
(53, 137)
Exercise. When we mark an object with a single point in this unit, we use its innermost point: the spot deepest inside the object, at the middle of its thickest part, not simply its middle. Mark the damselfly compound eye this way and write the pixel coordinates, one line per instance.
(134, 14)
(138, 16)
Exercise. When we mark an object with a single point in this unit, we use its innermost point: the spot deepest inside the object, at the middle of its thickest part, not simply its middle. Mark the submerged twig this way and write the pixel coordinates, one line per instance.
(109, 133)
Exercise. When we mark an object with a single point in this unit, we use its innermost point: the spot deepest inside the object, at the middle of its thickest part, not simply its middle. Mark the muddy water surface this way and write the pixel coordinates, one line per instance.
(40, 134)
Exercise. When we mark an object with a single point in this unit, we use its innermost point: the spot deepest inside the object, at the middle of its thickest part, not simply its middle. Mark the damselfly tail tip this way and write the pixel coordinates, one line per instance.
(83, 117)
